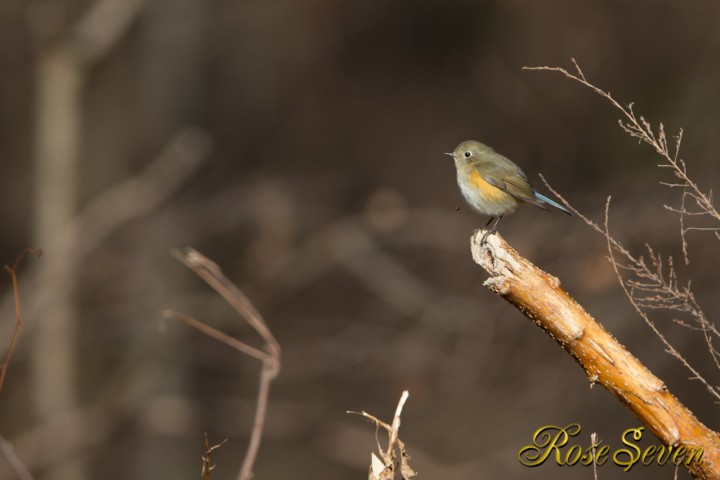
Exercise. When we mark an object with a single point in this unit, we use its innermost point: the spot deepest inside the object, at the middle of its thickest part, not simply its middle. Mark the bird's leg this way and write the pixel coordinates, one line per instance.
(489, 222)
(492, 229)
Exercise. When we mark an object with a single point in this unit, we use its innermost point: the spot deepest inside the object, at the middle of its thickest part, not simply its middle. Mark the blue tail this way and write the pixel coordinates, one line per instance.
(544, 199)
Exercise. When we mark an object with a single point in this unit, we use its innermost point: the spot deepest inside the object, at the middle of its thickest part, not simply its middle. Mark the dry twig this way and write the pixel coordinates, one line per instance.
(270, 356)
(17, 466)
(650, 281)
(18, 315)
(539, 297)
(638, 127)
(395, 456)
(594, 444)
(651, 288)
(207, 465)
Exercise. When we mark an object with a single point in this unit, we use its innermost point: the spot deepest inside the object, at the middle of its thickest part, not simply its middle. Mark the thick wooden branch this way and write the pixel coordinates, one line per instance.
(539, 297)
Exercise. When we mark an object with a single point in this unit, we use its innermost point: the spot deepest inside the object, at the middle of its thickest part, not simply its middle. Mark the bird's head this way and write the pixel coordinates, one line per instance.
(469, 153)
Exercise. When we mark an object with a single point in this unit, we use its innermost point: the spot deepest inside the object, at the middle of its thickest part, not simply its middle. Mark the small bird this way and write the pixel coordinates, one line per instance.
(492, 184)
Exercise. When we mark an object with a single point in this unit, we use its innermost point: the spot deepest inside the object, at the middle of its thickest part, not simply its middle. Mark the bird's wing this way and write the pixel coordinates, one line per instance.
(514, 184)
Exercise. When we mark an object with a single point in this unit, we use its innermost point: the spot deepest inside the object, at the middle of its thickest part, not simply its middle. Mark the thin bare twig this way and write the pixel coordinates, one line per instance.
(629, 293)
(594, 444)
(6, 447)
(219, 335)
(638, 127)
(211, 273)
(669, 295)
(207, 465)
(650, 281)
(18, 314)
(213, 276)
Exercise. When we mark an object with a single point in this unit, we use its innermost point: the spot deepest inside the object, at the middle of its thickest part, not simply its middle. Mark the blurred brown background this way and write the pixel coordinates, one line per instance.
(299, 144)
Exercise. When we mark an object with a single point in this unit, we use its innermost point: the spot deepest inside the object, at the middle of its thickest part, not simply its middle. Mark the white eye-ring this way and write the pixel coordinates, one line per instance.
(467, 154)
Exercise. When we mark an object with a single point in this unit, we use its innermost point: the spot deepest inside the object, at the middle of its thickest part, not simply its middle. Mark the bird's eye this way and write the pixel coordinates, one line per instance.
(467, 154)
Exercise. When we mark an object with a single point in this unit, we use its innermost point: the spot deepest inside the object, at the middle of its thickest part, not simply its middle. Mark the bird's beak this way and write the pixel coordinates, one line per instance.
(447, 153)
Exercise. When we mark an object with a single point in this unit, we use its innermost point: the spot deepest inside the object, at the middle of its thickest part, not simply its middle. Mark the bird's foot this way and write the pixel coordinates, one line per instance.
(483, 240)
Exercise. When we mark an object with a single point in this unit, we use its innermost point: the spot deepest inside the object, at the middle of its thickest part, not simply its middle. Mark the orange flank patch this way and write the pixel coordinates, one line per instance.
(489, 191)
